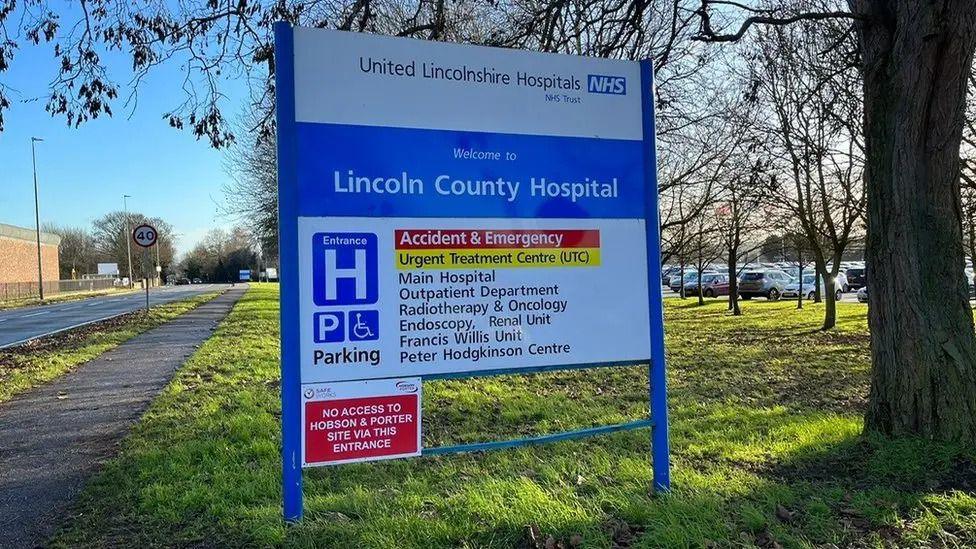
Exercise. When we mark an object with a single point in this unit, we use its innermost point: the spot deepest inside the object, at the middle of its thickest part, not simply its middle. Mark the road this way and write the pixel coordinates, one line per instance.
(21, 325)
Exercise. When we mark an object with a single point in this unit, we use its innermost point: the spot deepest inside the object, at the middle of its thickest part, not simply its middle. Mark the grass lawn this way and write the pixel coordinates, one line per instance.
(767, 451)
(44, 359)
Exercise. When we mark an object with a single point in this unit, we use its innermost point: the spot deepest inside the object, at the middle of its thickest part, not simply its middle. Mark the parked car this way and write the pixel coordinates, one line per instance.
(842, 282)
(768, 283)
(712, 285)
(691, 277)
(862, 294)
(197, 281)
(183, 282)
(857, 277)
(794, 270)
(667, 273)
(809, 282)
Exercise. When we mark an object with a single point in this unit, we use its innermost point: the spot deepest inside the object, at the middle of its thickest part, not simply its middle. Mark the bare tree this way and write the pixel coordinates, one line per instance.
(916, 59)
(76, 253)
(967, 150)
(703, 249)
(210, 40)
(739, 216)
(252, 194)
(805, 77)
(111, 233)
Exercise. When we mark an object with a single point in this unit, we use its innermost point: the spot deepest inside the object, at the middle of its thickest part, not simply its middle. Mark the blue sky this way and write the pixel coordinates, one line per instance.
(84, 172)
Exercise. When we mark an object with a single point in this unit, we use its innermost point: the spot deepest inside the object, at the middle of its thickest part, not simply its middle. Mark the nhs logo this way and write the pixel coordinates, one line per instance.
(601, 83)
(344, 269)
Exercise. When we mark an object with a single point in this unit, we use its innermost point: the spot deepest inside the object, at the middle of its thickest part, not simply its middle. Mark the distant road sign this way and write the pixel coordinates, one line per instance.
(244, 275)
(145, 235)
(108, 269)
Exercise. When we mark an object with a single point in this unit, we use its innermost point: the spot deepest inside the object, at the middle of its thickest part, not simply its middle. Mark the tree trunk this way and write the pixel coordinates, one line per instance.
(917, 57)
(830, 311)
(800, 288)
(733, 286)
(701, 292)
(681, 284)
(817, 294)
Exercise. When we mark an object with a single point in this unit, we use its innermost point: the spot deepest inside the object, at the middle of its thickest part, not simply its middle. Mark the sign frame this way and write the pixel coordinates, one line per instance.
(143, 226)
(291, 385)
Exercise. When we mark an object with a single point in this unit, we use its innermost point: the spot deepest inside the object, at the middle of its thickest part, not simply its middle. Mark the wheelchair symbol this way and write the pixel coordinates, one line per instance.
(363, 325)
(360, 330)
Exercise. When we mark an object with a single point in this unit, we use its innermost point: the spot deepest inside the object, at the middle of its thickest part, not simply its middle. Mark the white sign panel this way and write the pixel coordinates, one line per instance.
(463, 88)
(108, 269)
(439, 295)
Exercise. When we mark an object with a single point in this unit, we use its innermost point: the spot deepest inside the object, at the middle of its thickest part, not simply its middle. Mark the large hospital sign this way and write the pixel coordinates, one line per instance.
(451, 210)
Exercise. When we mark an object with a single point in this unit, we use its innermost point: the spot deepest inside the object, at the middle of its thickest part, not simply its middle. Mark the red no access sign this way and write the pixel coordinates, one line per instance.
(360, 421)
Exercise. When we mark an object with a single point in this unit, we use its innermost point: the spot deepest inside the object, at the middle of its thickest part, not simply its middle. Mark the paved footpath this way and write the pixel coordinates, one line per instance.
(54, 437)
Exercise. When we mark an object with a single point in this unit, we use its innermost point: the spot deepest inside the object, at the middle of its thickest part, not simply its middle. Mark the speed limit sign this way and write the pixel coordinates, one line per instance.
(144, 235)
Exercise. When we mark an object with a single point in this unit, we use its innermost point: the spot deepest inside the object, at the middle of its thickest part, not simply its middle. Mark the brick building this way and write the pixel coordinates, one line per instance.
(18, 260)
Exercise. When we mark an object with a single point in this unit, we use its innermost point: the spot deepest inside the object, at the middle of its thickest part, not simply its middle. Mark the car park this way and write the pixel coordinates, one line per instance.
(857, 277)
(667, 272)
(712, 285)
(793, 289)
(841, 282)
(768, 283)
(691, 277)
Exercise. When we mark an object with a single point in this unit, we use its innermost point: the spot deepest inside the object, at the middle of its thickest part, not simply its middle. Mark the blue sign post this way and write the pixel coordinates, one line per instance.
(451, 211)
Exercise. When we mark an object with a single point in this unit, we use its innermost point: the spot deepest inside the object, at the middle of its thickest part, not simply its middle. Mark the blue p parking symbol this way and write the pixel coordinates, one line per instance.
(329, 327)
(344, 269)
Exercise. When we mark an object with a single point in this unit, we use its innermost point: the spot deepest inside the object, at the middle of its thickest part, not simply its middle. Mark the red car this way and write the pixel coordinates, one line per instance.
(712, 285)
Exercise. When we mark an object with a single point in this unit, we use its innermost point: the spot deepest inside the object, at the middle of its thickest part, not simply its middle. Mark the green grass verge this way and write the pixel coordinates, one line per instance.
(766, 448)
(44, 359)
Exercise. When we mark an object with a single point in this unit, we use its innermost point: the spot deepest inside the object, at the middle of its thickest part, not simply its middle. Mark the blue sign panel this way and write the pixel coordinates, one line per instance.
(244, 274)
(399, 172)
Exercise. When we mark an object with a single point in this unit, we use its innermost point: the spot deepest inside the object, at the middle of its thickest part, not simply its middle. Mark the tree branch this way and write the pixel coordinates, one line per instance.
(707, 34)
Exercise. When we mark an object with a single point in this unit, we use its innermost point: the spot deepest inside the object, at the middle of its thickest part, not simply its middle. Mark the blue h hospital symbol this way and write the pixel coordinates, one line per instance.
(333, 273)
(344, 269)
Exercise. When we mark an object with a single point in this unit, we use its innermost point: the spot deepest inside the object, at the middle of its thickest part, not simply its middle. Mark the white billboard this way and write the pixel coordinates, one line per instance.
(108, 269)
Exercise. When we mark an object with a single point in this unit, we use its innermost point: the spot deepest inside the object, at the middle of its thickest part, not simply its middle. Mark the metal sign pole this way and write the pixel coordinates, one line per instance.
(291, 413)
(145, 275)
(146, 237)
(658, 392)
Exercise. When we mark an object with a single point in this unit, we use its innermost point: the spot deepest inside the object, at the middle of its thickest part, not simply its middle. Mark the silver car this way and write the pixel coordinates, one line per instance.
(768, 283)
(793, 288)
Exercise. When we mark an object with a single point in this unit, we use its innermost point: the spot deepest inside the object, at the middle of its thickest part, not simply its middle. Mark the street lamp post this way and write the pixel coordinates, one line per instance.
(37, 221)
(127, 236)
